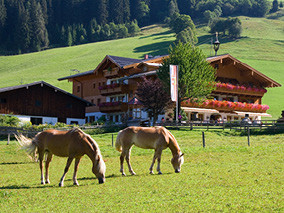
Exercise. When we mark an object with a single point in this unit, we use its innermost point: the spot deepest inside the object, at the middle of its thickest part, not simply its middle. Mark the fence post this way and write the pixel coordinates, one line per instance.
(8, 139)
(203, 139)
(248, 136)
(112, 140)
(191, 125)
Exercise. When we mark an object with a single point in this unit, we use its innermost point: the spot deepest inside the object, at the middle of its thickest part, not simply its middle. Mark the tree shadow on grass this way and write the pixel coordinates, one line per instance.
(15, 163)
(166, 34)
(159, 48)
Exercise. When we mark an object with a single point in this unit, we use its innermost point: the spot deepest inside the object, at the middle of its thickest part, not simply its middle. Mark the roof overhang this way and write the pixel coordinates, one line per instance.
(252, 114)
(201, 110)
(138, 75)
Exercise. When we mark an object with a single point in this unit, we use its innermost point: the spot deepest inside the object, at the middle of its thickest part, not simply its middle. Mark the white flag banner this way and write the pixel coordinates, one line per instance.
(173, 76)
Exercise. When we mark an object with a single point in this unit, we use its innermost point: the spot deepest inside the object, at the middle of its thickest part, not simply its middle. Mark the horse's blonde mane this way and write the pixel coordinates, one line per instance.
(89, 138)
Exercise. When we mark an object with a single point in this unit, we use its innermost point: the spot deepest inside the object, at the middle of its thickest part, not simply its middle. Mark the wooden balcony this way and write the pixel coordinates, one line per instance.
(227, 106)
(113, 73)
(109, 107)
(114, 89)
(239, 90)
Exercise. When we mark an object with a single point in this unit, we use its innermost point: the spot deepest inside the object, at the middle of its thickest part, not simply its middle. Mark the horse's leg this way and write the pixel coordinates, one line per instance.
(159, 155)
(156, 155)
(69, 161)
(48, 160)
(77, 161)
(128, 162)
(40, 157)
(121, 162)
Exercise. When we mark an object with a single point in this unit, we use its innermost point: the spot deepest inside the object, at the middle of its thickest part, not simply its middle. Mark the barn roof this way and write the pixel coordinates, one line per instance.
(6, 89)
(76, 75)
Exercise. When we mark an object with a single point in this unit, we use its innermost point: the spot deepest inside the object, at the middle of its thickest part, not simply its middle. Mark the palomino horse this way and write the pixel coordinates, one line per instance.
(72, 144)
(158, 138)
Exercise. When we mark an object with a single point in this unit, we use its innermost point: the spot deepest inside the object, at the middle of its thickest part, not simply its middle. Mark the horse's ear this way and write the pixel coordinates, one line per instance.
(182, 154)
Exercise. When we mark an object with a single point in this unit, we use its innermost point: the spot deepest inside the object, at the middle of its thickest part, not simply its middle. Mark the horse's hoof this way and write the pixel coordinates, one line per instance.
(76, 184)
(42, 183)
(47, 182)
(133, 173)
(60, 184)
(123, 174)
(151, 172)
(160, 173)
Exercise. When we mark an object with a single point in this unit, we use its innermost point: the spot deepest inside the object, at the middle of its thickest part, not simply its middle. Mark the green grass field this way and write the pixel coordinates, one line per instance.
(226, 176)
(261, 46)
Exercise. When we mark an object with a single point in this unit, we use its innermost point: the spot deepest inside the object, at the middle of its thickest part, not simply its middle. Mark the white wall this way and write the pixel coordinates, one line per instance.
(80, 121)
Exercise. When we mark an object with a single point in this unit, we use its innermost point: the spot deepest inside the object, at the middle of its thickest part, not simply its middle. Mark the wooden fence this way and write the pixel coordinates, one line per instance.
(236, 125)
(272, 125)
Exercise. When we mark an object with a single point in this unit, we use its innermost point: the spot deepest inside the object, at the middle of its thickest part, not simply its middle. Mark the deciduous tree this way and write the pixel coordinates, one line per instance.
(195, 75)
(153, 96)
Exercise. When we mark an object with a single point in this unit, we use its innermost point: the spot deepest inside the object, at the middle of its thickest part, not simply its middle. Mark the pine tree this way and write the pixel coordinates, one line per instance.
(275, 6)
(3, 13)
(116, 11)
(126, 11)
(23, 31)
(103, 12)
(39, 35)
(173, 8)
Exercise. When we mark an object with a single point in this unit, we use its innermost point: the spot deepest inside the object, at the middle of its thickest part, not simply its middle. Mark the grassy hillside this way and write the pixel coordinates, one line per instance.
(261, 46)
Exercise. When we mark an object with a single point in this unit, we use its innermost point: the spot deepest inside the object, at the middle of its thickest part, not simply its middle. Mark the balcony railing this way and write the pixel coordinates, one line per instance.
(111, 73)
(227, 106)
(239, 89)
(117, 106)
(113, 89)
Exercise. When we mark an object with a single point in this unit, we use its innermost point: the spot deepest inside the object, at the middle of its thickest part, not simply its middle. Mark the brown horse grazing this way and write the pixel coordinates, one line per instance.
(158, 138)
(72, 144)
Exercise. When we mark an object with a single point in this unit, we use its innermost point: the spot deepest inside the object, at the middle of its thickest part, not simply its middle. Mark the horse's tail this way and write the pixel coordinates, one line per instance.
(28, 145)
(118, 142)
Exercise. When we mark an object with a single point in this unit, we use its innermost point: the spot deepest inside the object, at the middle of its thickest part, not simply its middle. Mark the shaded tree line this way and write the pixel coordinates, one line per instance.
(33, 25)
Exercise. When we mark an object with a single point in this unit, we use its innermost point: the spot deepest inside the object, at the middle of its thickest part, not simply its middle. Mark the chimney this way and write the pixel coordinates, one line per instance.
(146, 56)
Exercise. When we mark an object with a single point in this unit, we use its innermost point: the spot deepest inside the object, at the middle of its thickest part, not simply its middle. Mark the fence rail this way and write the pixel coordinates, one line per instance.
(236, 125)
(202, 125)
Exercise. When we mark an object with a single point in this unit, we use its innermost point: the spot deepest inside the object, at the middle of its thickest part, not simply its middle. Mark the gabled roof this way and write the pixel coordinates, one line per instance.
(76, 75)
(243, 66)
(121, 62)
(6, 89)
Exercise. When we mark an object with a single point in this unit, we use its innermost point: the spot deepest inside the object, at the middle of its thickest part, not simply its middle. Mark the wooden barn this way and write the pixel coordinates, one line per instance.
(40, 102)
(112, 85)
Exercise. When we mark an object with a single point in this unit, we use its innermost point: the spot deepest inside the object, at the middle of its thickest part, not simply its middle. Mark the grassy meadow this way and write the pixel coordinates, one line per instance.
(226, 176)
(261, 46)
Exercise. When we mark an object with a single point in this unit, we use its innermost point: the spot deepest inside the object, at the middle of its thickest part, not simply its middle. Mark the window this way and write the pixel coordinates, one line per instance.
(69, 106)
(98, 101)
(36, 121)
(94, 86)
(78, 88)
(38, 103)
(3, 100)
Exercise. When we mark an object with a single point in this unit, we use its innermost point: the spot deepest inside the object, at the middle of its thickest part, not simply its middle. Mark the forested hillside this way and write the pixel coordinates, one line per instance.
(33, 25)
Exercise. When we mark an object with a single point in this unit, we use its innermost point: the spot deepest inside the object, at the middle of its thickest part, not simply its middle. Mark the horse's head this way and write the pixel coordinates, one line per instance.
(99, 169)
(177, 161)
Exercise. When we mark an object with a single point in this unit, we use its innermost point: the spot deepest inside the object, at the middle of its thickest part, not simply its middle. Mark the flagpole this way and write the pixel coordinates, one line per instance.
(177, 97)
